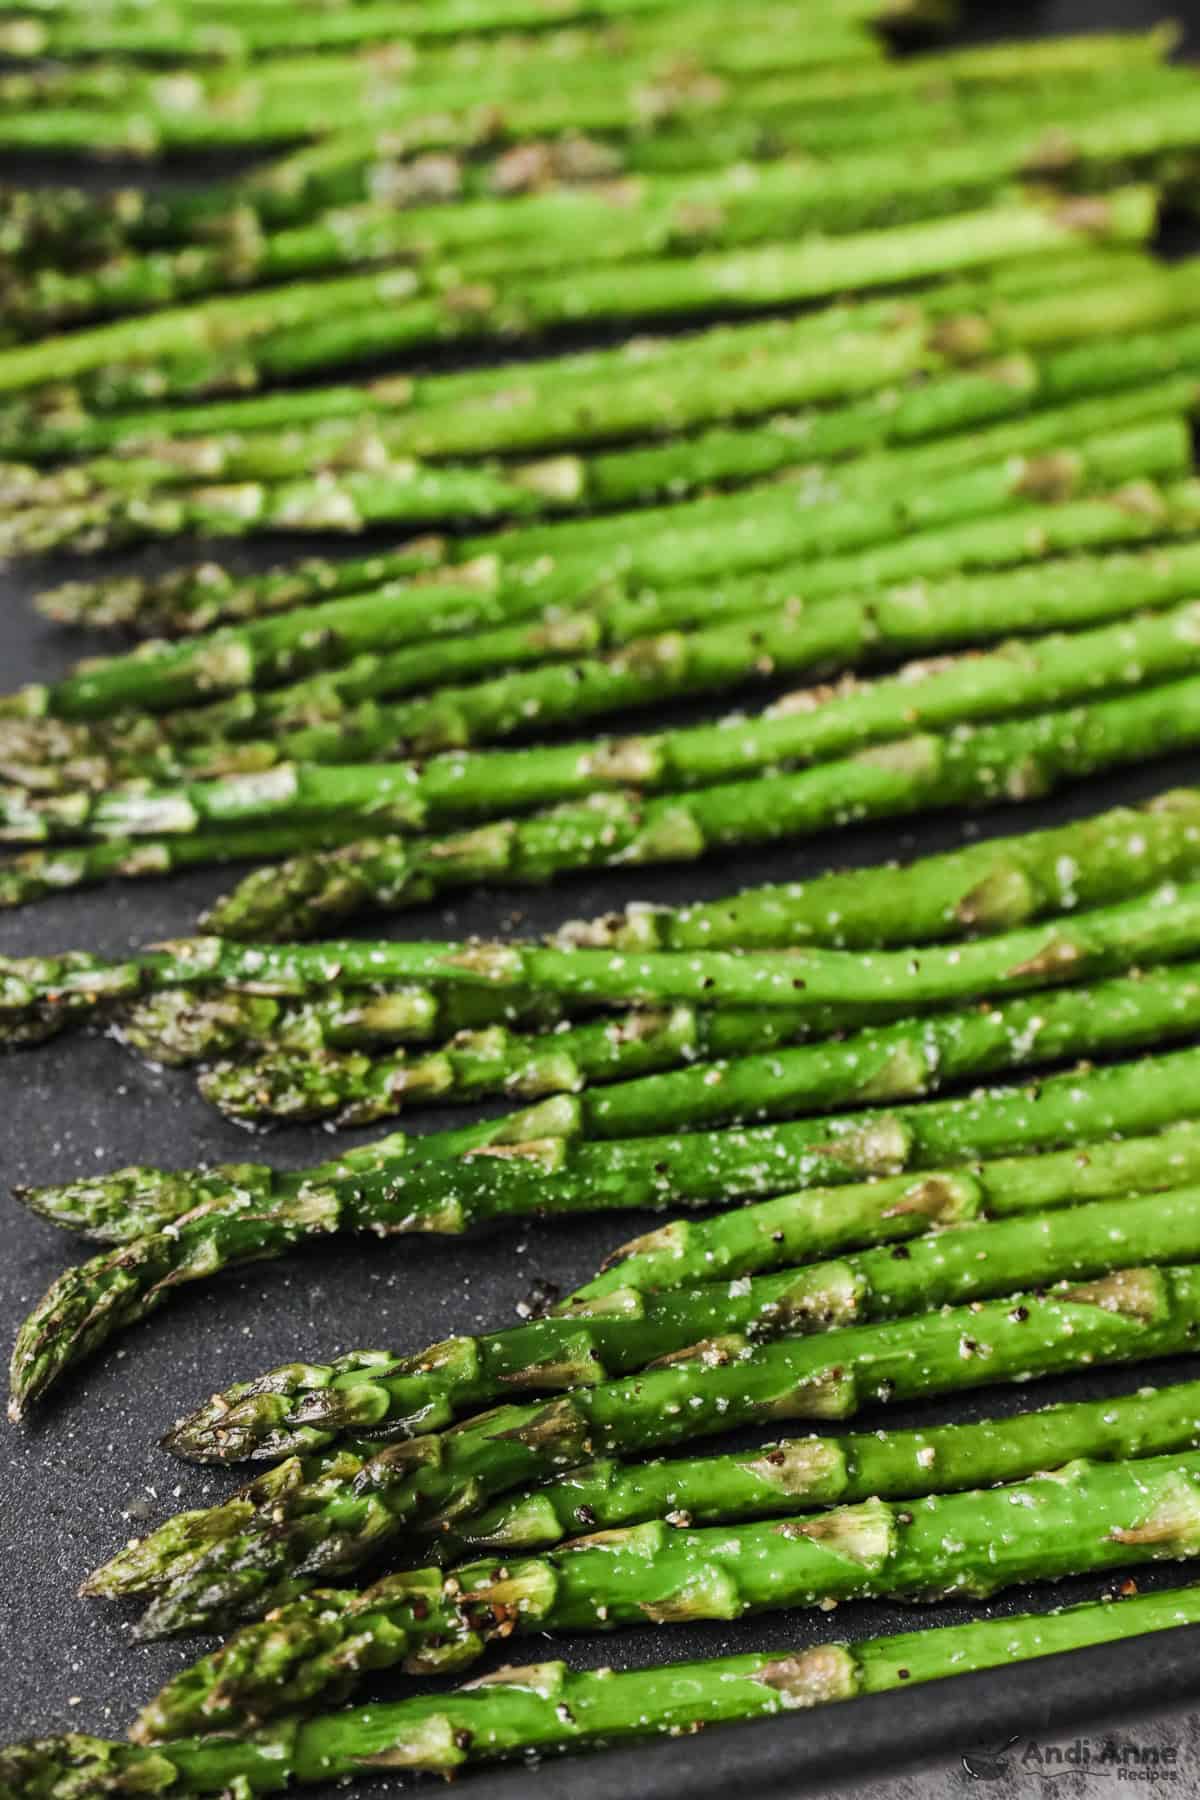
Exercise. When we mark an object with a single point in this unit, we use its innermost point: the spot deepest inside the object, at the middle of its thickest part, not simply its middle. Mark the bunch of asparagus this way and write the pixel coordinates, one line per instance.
(931, 525)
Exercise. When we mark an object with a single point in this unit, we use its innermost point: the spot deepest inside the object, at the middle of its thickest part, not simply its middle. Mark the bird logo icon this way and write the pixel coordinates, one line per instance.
(988, 1763)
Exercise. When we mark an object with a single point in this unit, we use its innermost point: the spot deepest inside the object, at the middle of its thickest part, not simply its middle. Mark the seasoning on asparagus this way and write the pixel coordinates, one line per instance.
(981, 889)
(177, 1026)
(635, 1072)
(103, 491)
(624, 1331)
(649, 215)
(762, 623)
(310, 324)
(265, 1546)
(449, 1182)
(548, 1707)
(1084, 1517)
(439, 108)
(1005, 761)
(723, 374)
(811, 726)
(803, 1474)
(258, 1419)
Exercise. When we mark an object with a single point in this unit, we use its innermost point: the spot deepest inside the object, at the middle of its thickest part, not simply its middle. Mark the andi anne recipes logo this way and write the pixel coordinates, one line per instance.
(1024, 1761)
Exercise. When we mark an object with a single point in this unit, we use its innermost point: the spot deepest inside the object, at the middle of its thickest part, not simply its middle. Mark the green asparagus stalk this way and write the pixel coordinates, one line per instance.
(49, 754)
(247, 1209)
(1084, 1517)
(1009, 760)
(267, 1544)
(567, 399)
(80, 24)
(229, 33)
(805, 728)
(601, 1340)
(765, 1080)
(350, 500)
(447, 1184)
(307, 318)
(1159, 926)
(386, 432)
(889, 1209)
(749, 116)
(353, 502)
(178, 1026)
(366, 484)
(435, 96)
(1012, 761)
(140, 119)
(269, 1417)
(1085, 269)
(516, 1711)
(701, 120)
(25, 878)
(193, 599)
(756, 529)
(1012, 387)
(802, 1474)
(984, 888)
(649, 216)
(736, 281)
(312, 1084)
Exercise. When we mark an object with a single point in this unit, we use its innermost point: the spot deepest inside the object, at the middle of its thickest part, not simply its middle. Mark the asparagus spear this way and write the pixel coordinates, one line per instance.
(231, 34)
(1011, 761)
(1159, 926)
(567, 399)
(349, 500)
(356, 500)
(257, 1555)
(201, 373)
(246, 1209)
(751, 116)
(807, 727)
(374, 488)
(51, 753)
(600, 1340)
(984, 888)
(605, 80)
(722, 535)
(307, 318)
(655, 215)
(1084, 1517)
(702, 119)
(1012, 387)
(888, 1209)
(494, 1060)
(25, 878)
(547, 1707)
(141, 119)
(448, 1183)
(751, 1076)
(731, 282)
(802, 1474)
(178, 1026)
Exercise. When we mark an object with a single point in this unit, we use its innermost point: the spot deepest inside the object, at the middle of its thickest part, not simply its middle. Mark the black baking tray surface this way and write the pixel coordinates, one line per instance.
(88, 1473)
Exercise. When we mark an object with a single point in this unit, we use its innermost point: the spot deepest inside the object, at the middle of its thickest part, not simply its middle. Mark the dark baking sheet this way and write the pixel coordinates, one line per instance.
(88, 1474)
